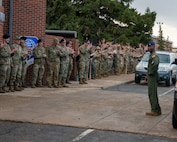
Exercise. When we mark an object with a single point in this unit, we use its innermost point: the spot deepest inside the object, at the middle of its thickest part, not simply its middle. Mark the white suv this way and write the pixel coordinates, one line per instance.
(167, 69)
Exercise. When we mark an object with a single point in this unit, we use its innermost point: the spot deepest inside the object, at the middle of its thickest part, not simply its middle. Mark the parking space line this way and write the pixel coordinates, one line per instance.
(85, 133)
(165, 93)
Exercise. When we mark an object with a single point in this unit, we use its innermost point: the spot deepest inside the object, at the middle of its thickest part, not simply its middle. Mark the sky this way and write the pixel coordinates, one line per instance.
(166, 13)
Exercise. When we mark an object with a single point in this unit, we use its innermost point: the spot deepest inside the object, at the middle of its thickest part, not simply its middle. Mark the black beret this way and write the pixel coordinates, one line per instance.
(62, 40)
(39, 40)
(23, 38)
(68, 42)
(5, 36)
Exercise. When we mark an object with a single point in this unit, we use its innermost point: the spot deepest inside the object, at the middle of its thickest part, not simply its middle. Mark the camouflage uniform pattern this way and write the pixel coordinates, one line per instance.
(16, 70)
(5, 61)
(38, 68)
(64, 64)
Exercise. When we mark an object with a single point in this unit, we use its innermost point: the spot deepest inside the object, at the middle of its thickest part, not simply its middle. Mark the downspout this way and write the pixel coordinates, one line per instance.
(10, 20)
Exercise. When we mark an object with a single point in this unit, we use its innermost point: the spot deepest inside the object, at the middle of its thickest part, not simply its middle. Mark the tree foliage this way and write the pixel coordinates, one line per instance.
(114, 20)
(161, 41)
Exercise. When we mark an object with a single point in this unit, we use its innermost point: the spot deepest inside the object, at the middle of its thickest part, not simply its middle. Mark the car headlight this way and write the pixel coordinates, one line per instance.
(138, 67)
(167, 69)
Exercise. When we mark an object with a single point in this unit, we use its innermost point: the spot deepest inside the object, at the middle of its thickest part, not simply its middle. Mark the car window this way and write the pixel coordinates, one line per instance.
(164, 58)
(145, 57)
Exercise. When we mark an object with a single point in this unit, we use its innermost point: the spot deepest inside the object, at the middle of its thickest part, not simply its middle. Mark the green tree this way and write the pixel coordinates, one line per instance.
(114, 20)
(161, 39)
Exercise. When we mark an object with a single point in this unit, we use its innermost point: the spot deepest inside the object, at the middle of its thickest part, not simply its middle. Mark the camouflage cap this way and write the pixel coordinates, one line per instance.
(17, 38)
(56, 40)
(97, 48)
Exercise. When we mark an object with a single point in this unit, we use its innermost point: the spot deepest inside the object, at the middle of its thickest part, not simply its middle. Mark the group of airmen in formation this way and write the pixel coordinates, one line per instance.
(57, 60)
(107, 58)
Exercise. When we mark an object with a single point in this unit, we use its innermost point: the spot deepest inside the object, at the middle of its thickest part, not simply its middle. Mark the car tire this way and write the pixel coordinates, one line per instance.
(137, 80)
(174, 121)
(174, 80)
(168, 82)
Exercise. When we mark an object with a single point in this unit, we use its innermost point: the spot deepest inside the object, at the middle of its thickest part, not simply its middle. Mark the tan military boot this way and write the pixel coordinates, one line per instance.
(39, 85)
(59, 85)
(33, 86)
(153, 113)
(5, 89)
(84, 81)
(11, 88)
(64, 85)
(68, 82)
(81, 81)
(17, 88)
(2, 91)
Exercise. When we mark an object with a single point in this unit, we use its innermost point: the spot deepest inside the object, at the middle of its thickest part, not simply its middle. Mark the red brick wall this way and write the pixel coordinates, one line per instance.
(49, 39)
(5, 4)
(29, 17)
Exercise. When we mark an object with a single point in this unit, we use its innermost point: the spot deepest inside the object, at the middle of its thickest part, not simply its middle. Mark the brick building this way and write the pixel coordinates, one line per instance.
(26, 18)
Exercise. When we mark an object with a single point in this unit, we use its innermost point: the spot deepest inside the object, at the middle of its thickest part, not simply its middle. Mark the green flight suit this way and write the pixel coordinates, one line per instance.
(153, 77)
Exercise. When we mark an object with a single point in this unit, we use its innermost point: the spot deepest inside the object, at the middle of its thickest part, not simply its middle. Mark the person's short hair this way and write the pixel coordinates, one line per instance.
(86, 41)
(22, 38)
(67, 42)
(5, 36)
(151, 43)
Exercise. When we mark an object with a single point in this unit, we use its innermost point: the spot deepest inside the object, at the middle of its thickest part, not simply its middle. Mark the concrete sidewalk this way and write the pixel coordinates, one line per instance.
(89, 106)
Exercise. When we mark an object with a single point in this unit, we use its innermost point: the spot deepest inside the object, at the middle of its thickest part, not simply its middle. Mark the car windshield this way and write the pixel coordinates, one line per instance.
(145, 57)
(164, 58)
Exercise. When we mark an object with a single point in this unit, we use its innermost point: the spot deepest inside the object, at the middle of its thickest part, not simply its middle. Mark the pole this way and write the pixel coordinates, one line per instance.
(10, 20)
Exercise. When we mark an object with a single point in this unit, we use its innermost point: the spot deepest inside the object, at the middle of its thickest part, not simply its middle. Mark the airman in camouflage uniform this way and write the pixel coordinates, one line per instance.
(110, 59)
(97, 58)
(87, 63)
(71, 57)
(116, 60)
(64, 63)
(53, 62)
(39, 62)
(5, 62)
(24, 58)
(83, 69)
(16, 70)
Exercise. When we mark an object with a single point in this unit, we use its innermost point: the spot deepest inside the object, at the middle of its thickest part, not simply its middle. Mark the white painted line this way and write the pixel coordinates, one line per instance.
(83, 135)
(167, 92)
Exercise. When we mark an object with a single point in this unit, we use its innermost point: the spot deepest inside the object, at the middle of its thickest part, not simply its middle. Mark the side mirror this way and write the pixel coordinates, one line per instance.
(175, 62)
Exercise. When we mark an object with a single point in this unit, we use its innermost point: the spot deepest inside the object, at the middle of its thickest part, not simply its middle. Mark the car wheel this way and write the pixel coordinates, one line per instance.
(137, 80)
(174, 80)
(174, 121)
(169, 81)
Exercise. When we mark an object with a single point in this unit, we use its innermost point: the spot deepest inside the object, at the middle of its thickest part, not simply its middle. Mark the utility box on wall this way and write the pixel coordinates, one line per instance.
(2, 17)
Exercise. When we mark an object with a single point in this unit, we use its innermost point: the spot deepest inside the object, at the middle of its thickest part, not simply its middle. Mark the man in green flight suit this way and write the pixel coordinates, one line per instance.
(152, 77)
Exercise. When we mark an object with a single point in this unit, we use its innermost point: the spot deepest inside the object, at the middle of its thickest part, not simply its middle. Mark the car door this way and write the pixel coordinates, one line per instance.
(173, 66)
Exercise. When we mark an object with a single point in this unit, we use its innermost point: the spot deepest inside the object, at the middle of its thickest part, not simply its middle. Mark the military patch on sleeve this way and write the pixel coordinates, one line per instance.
(153, 56)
